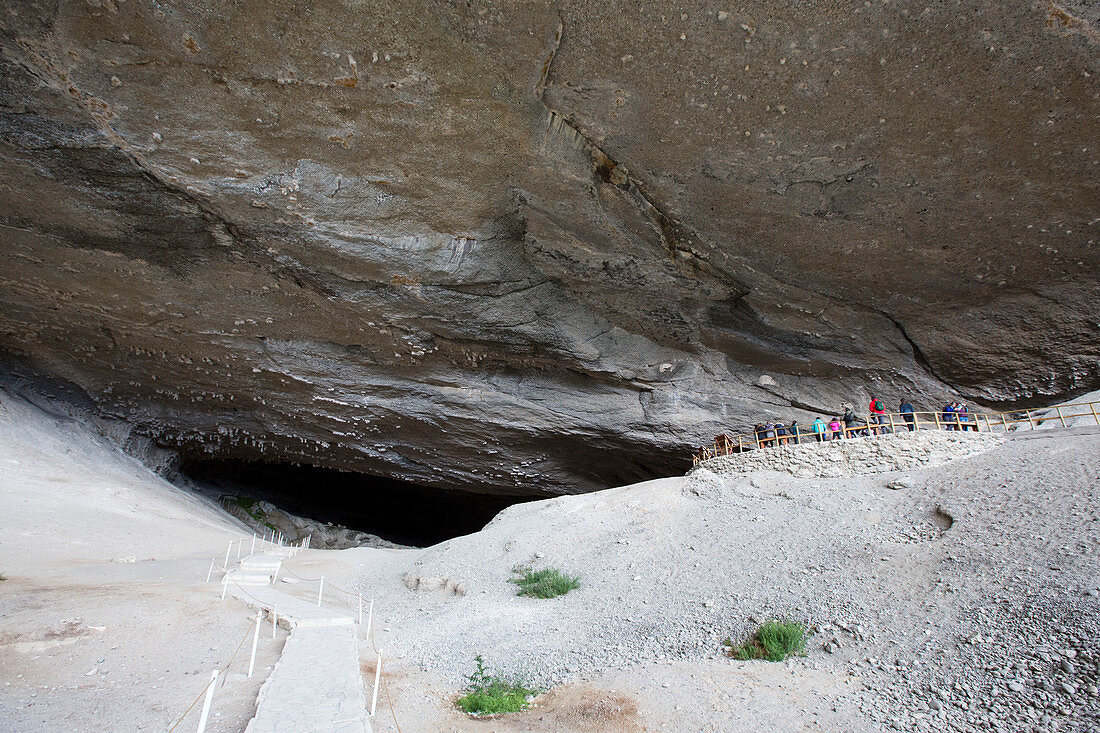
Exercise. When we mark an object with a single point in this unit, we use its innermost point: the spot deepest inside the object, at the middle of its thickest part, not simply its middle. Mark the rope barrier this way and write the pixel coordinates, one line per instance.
(329, 586)
(389, 703)
(191, 706)
(243, 639)
(221, 674)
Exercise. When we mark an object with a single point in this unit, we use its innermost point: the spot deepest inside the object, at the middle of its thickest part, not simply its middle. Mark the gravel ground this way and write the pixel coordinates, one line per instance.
(959, 596)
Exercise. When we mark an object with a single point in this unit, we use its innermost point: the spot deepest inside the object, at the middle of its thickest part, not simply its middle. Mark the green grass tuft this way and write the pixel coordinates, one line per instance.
(489, 694)
(249, 505)
(546, 583)
(774, 641)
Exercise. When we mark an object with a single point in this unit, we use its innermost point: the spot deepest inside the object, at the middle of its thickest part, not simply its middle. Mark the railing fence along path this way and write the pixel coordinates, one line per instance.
(895, 422)
(266, 564)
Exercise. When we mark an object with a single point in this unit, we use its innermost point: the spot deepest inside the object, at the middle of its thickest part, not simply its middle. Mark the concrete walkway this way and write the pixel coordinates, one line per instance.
(316, 685)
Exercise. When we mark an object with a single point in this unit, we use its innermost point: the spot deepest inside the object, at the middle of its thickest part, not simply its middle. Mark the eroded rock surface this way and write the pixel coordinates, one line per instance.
(512, 247)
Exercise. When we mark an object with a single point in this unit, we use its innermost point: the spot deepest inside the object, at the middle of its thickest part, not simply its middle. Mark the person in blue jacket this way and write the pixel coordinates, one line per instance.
(906, 410)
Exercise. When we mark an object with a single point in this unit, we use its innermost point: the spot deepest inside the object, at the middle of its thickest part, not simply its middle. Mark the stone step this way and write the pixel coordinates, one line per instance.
(293, 611)
(261, 562)
(243, 577)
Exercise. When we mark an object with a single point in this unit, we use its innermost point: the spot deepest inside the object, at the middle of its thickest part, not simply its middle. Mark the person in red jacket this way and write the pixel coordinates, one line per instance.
(878, 415)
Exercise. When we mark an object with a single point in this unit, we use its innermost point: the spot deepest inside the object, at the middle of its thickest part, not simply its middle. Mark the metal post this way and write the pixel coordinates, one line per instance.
(370, 617)
(209, 699)
(253, 544)
(225, 584)
(377, 677)
(1058, 408)
(227, 551)
(278, 567)
(210, 572)
(320, 590)
(274, 620)
(255, 642)
(239, 543)
(360, 609)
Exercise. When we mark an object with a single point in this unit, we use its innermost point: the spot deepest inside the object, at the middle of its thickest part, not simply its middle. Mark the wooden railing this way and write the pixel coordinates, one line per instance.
(892, 422)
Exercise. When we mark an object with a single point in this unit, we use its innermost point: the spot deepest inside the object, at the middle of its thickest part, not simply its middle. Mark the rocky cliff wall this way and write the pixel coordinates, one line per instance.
(518, 247)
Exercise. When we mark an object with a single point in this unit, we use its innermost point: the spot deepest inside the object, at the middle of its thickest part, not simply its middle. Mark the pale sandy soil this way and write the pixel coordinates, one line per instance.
(105, 621)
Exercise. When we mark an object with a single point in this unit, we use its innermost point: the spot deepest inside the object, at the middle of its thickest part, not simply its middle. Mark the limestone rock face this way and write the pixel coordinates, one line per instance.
(514, 247)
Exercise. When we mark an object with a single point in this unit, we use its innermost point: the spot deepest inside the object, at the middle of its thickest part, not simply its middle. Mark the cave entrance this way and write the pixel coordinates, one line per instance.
(398, 511)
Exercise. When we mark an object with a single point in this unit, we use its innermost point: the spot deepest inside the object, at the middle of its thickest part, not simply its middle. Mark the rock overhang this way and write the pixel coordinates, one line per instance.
(394, 239)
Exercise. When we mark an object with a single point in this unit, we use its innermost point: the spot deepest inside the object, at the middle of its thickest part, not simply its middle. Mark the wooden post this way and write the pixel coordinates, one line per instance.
(891, 422)
(208, 701)
(1028, 413)
(255, 642)
(1060, 418)
(937, 416)
(1095, 417)
(377, 677)
(741, 439)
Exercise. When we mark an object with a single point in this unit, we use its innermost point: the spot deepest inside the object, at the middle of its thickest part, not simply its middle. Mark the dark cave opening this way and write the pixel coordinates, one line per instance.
(399, 511)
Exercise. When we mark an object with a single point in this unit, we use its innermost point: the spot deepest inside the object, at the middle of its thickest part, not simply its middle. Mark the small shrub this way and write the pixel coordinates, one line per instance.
(774, 641)
(546, 583)
(249, 505)
(489, 694)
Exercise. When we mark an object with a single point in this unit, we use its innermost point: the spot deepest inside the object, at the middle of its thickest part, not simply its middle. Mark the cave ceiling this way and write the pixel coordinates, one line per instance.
(522, 246)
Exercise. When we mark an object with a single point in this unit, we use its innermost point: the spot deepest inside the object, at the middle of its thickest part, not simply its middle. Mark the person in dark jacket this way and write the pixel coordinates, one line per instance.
(851, 423)
(949, 417)
(906, 410)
